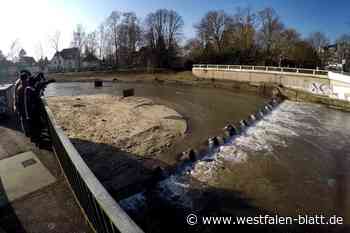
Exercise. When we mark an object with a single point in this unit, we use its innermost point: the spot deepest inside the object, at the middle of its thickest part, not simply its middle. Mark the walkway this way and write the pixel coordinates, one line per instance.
(34, 196)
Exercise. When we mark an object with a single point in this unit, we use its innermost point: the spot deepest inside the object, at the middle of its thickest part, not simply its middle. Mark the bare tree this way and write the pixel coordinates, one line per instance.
(101, 38)
(174, 27)
(113, 23)
(14, 50)
(79, 39)
(164, 25)
(2, 56)
(55, 41)
(318, 41)
(343, 48)
(162, 33)
(129, 36)
(287, 42)
(39, 51)
(212, 27)
(91, 44)
(242, 29)
(270, 30)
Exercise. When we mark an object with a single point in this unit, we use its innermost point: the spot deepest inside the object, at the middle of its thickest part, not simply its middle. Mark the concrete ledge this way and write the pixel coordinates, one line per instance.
(303, 96)
(22, 174)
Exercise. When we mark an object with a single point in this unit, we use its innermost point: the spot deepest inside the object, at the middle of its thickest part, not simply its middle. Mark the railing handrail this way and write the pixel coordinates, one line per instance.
(111, 208)
(266, 68)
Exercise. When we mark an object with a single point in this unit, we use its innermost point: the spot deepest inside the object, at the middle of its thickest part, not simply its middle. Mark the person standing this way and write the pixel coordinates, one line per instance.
(20, 87)
(31, 109)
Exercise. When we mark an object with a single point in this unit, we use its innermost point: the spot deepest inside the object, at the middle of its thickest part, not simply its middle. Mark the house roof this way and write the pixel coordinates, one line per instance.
(6, 62)
(27, 60)
(90, 58)
(71, 53)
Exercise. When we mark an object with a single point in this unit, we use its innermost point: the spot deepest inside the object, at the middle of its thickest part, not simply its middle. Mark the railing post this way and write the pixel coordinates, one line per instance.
(253, 67)
(240, 67)
(297, 70)
(314, 72)
(266, 68)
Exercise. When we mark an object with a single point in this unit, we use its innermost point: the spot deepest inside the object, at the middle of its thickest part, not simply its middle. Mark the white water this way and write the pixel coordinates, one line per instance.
(290, 121)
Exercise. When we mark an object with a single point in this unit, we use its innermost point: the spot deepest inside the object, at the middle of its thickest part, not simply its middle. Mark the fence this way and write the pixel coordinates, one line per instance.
(261, 68)
(6, 98)
(101, 210)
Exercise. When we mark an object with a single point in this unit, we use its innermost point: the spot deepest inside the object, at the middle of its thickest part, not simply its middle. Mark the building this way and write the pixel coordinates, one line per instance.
(338, 56)
(65, 60)
(26, 61)
(9, 70)
(90, 62)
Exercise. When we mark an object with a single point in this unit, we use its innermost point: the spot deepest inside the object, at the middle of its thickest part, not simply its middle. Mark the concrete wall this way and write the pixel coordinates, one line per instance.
(318, 84)
(340, 85)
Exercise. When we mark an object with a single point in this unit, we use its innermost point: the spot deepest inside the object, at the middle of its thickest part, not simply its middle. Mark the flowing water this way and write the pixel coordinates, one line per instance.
(295, 161)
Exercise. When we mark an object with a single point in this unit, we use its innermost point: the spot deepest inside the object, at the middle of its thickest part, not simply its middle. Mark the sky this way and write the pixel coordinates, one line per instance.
(33, 22)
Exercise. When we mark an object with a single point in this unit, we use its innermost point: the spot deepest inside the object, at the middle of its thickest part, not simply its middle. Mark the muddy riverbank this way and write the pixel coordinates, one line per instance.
(119, 137)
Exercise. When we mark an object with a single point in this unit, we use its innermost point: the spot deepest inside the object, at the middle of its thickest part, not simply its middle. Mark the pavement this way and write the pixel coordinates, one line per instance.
(34, 196)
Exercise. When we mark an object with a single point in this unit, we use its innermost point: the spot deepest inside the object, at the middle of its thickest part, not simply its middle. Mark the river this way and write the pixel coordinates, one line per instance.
(207, 110)
(295, 161)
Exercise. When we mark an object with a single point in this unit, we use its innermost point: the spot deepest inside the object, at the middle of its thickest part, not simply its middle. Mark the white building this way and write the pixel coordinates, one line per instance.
(65, 60)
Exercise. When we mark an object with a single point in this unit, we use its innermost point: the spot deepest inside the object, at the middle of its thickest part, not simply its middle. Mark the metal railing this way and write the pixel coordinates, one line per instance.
(102, 212)
(261, 68)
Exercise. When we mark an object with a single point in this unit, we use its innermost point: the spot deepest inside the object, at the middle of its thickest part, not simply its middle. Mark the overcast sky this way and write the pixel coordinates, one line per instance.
(32, 22)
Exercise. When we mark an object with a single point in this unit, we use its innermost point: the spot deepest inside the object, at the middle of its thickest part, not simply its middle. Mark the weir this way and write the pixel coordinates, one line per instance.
(232, 130)
(261, 164)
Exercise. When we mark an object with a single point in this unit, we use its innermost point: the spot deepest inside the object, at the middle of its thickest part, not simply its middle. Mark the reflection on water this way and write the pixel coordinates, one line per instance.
(295, 161)
(206, 109)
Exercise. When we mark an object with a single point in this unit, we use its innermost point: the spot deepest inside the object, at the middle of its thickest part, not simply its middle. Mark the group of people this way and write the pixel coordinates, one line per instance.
(27, 103)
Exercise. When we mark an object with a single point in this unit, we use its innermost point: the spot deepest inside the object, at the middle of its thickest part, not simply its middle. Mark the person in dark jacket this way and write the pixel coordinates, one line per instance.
(32, 112)
(20, 87)
(33, 107)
